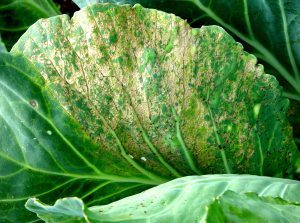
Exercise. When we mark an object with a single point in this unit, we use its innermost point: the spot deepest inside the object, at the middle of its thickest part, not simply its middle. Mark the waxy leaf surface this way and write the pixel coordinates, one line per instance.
(210, 198)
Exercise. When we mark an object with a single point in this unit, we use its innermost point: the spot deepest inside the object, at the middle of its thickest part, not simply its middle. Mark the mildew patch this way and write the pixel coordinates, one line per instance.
(120, 79)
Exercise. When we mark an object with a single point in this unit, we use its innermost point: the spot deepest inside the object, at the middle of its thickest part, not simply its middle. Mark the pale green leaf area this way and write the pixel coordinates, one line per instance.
(270, 28)
(167, 98)
(64, 210)
(17, 15)
(210, 198)
(83, 3)
(233, 207)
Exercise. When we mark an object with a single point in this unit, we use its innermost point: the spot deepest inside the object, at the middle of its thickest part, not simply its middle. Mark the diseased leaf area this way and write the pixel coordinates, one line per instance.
(270, 28)
(119, 99)
(211, 198)
(169, 98)
(45, 154)
(17, 15)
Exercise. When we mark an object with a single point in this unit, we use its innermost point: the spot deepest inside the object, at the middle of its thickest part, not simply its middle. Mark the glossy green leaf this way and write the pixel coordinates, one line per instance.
(251, 208)
(175, 100)
(45, 154)
(211, 198)
(271, 27)
(17, 15)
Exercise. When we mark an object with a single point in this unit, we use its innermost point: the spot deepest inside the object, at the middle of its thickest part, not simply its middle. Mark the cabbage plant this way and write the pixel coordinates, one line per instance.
(119, 99)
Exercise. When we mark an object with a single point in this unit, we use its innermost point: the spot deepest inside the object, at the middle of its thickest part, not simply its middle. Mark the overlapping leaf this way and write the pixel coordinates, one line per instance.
(17, 15)
(211, 199)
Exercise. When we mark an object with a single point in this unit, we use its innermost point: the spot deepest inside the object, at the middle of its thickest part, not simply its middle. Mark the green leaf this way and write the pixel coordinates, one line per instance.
(210, 198)
(17, 15)
(45, 154)
(83, 3)
(111, 107)
(233, 207)
(64, 210)
(2, 46)
(271, 28)
(176, 100)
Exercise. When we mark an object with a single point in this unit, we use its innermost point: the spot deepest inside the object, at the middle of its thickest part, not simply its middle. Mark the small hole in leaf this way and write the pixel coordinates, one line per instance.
(33, 103)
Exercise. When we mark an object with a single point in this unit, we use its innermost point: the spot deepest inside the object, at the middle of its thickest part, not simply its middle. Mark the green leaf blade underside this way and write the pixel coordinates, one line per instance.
(270, 27)
(210, 198)
(17, 15)
(175, 100)
(45, 154)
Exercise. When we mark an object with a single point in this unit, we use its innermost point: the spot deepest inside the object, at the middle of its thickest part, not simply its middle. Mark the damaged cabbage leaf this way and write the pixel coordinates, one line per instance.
(269, 28)
(173, 99)
(110, 107)
(210, 198)
(45, 154)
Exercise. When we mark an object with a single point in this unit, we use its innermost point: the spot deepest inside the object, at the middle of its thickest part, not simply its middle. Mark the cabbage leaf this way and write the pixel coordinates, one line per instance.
(210, 198)
(102, 108)
(173, 99)
(269, 28)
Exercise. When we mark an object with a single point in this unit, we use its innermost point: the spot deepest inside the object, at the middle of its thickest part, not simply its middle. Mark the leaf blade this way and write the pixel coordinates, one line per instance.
(277, 44)
(91, 101)
(211, 198)
(37, 147)
(144, 86)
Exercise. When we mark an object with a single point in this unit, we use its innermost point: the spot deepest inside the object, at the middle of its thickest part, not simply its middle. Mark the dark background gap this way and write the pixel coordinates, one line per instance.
(67, 6)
